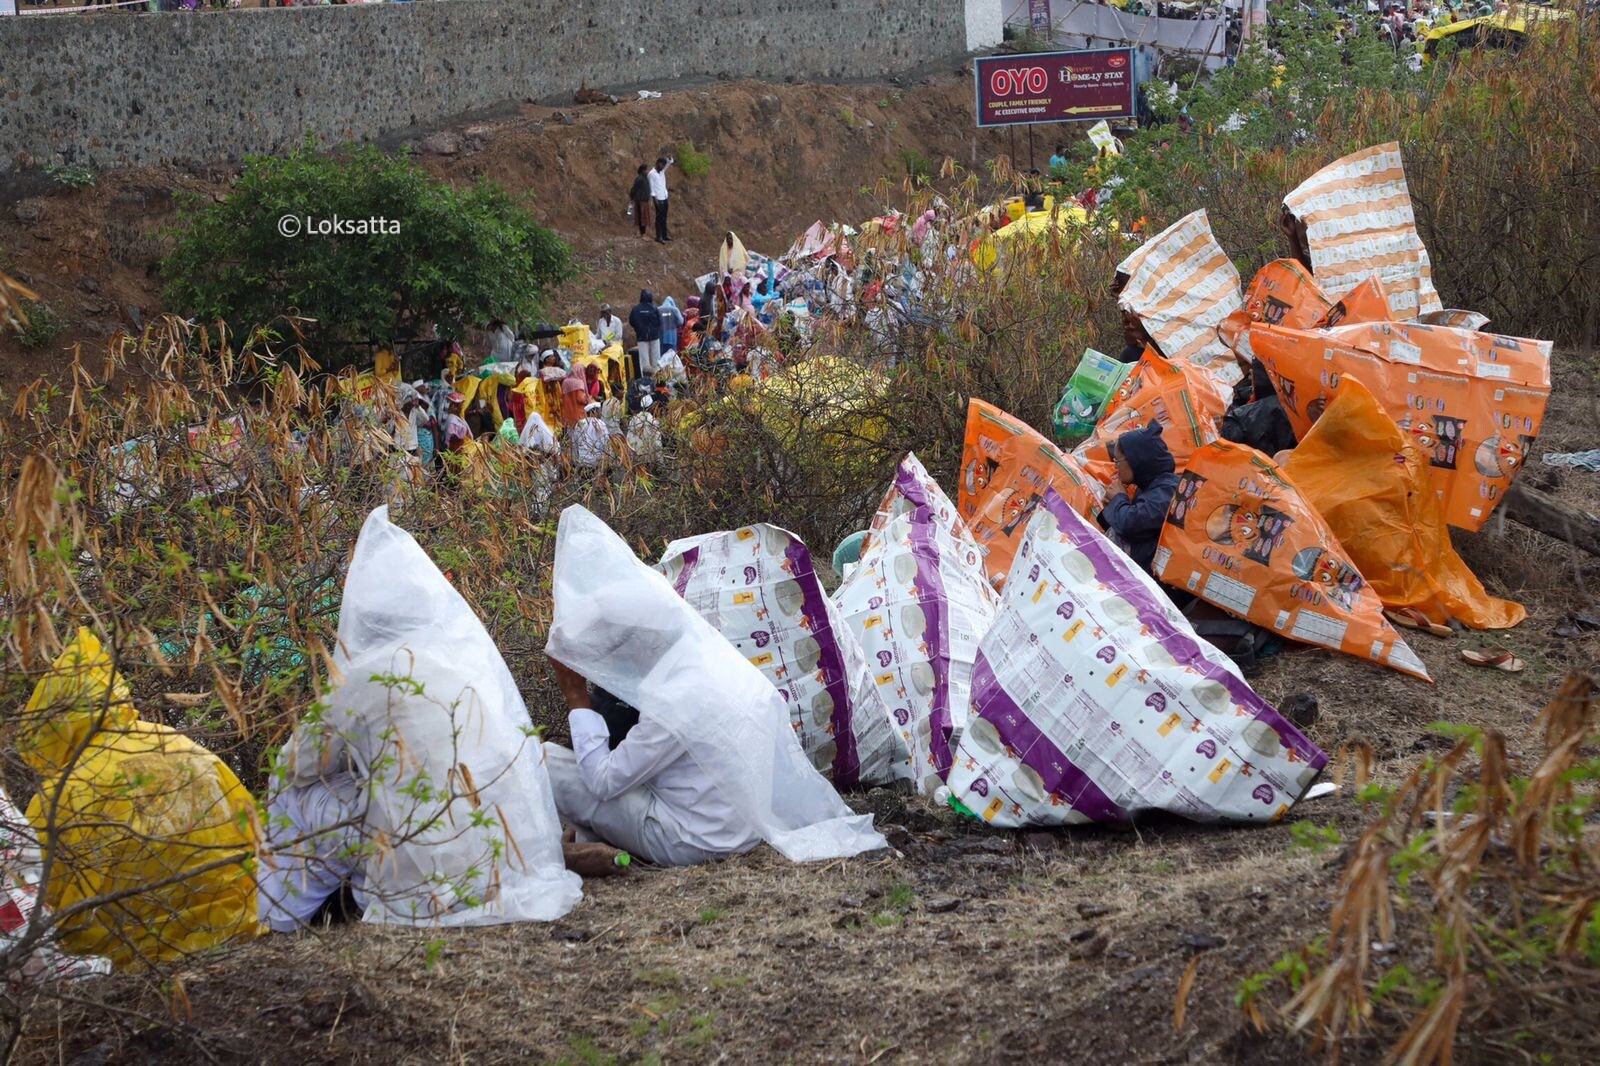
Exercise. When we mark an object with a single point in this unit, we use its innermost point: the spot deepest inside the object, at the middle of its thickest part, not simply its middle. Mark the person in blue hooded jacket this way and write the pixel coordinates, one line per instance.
(1145, 463)
(671, 322)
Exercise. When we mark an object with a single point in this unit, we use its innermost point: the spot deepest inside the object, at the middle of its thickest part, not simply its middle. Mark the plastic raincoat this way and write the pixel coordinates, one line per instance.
(130, 803)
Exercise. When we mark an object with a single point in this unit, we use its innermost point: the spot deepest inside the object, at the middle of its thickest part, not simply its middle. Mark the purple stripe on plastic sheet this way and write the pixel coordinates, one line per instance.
(930, 591)
(1034, 749)
(846, 762)
(1113, 569)
(691, 561)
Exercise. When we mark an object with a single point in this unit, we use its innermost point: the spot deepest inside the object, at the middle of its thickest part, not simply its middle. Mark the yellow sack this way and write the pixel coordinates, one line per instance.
(129, 803)
(1370, 480)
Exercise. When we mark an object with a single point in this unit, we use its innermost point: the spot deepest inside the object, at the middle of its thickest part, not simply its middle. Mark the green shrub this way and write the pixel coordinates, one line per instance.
(918, 169)
(693, 162)
(451, 258)
(44, 324)
(72, 175)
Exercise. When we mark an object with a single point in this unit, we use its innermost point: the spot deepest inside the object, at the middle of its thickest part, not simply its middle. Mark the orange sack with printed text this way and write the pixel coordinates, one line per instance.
(1473, 401)
(1368, 479)
(1184, 399)
(1006, 468)
(1241, 536)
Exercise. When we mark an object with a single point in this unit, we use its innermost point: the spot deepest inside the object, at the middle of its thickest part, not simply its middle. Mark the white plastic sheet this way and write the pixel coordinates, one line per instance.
(1093, 700)
(919, 602)
(460, 819)
(757, 587)
(620, 624)
(20, 907)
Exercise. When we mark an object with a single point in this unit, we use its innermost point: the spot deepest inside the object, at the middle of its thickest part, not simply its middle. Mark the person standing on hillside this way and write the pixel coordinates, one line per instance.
(608, 328)
(658, 195)
(645, 318)
(639, 196)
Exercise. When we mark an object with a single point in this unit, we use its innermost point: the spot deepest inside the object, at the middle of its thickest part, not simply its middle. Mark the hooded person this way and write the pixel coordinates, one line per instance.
(574, 396)
(644, 434)
(671, 321)
(1145, 465)
(537, 436)
(419, 772)
(136, 814)
(590, 440)
(645, 320)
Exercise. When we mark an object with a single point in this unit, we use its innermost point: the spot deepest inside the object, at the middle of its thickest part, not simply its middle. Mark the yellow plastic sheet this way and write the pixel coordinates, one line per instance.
(129, 803)
(1369, 480)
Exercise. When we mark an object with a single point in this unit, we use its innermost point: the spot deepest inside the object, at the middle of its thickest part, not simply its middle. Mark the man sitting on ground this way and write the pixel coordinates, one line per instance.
(631, 783)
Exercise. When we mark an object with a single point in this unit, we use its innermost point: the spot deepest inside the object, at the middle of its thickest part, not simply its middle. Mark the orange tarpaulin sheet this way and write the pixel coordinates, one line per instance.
(1475, 401)
(1241, 536)
(1369, 480)
(1006, 469)
(1183, 398)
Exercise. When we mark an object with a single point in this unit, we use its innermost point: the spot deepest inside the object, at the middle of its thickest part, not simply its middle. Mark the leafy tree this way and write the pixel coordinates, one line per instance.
(451, 257)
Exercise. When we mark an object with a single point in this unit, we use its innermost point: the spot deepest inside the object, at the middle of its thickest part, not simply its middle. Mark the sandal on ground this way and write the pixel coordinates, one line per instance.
(1498, 658)
(1411, 618)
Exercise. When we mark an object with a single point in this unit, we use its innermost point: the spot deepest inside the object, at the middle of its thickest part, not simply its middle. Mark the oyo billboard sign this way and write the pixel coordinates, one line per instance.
(1054, 87)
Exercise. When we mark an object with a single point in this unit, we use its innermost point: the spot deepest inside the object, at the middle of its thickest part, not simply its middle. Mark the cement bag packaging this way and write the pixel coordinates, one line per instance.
(919, 602)
(1474, 401)
(756, 586)
(1369, 479)
(1182, 285)
(1241, 536)
(619, 623)
(19, 902)
(1174, 394)
(1358, 219)
(428, 699)
(1006, 468)
(1093, 701)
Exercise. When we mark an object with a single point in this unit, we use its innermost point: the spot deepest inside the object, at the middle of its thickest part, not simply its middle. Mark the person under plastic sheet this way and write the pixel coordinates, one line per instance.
(416, 781)
(1256, 416)
(1144, 463)
(1135, 338)
(631, 783)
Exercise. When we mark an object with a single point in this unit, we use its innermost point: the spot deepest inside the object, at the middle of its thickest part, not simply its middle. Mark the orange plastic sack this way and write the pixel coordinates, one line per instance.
(1241, 536)
(1369, 480)
(1185, 400)
(1474, 401)
(1006, 469)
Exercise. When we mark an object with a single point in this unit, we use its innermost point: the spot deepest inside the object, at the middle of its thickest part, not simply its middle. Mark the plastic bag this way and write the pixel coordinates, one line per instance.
(133, 804)
(756, 586)
(1283, 293)
(1093, 383)
(620, 624)
(1241, 536)
(1006, 468)
(460, 823)
(1182, 285)
(1093, 700)
(1369, 481)
(1180, 397)
(1358, 219)
(919, 602)
(19, 904)
(1474, 401)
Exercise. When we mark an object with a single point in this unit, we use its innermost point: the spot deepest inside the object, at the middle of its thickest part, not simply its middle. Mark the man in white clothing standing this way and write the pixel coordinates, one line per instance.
(658, 194)
(645, 795)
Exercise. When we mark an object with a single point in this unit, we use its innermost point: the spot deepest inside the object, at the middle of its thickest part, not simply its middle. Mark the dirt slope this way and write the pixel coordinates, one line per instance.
(781, 157)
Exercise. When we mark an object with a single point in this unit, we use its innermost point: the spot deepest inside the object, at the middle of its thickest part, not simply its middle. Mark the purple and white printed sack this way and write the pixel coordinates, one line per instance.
(919, 602)
(756, 586)
(1093, 700)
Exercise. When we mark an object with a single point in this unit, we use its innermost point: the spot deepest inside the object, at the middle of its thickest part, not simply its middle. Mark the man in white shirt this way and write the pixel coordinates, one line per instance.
(609, 328)
(658, 194)
(645, 795)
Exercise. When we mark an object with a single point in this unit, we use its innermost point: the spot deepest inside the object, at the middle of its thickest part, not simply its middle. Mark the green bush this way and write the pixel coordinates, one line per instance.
(693, 162)
(72, 175)
(451, 258)
(918, 169)
(44, 324)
